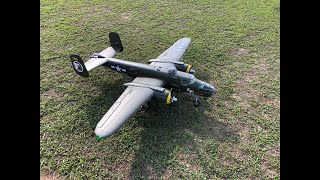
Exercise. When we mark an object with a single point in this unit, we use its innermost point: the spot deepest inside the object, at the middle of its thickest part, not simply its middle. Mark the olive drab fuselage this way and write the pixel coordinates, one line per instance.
(178, 80)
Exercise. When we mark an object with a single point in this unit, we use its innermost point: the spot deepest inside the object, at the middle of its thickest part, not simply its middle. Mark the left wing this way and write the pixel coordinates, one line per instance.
(125, 107)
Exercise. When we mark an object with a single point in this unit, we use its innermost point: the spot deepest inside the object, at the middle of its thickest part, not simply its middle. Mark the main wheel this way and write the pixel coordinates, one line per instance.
(146, 105)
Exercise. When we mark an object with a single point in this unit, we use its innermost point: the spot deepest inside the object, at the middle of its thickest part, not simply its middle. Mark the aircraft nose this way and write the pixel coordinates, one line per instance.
(210, 89)
(206, 88)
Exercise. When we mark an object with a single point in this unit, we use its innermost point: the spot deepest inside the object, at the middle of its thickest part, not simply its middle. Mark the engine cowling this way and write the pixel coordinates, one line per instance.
(181, 66)
(185, 67)
(164, 96)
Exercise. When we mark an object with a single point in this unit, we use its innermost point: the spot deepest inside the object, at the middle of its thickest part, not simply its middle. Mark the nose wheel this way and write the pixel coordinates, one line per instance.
(196, 102)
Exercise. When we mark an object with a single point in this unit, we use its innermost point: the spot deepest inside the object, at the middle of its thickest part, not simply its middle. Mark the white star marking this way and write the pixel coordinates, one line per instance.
(118, 68)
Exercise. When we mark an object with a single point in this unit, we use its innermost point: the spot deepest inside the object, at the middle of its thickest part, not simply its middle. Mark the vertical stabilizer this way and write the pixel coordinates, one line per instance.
(115, 41)
(78, 65)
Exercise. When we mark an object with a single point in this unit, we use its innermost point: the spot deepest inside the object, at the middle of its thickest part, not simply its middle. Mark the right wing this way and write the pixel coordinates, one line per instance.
(176, 51)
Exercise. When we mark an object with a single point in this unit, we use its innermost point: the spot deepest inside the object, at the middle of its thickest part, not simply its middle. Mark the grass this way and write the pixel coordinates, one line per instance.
(235, 46)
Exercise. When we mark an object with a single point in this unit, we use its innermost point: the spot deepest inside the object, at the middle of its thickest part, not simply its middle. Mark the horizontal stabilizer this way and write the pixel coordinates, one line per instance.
(97, 59)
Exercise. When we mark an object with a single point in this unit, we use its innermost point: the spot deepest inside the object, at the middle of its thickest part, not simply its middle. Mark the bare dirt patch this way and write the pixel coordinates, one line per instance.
(50, 177)
(236, 154)
(238, 52)
(258, 70)
(241, 52)
(53, 94)
(167, 174)
(150, 172)
(245, 91)
(244, 133)
(269, 171)
(122, 169)
(126, 16)
(273, 102)
(189, 161)
(239, 155)
(245, 96)
(250, 98)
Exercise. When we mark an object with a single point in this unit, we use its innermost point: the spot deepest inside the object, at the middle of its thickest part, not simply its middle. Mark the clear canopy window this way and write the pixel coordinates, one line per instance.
(188, 79)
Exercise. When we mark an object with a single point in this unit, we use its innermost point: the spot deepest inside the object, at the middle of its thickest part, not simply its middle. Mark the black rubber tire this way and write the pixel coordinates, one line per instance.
(196, 103)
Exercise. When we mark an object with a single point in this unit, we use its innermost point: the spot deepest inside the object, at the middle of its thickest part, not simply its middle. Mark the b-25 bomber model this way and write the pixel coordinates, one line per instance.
(158, 80)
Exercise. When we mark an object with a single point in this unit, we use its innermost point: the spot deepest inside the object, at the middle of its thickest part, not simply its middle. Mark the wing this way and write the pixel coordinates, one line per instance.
(176, 51)
(125, 107)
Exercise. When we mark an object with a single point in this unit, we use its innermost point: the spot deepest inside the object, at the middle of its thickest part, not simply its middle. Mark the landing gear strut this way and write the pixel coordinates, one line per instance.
(174, 98)
(196, 102)
(146, 105)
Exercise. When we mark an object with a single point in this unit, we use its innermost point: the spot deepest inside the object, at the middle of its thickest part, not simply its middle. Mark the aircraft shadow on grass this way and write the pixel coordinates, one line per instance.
(164, 128)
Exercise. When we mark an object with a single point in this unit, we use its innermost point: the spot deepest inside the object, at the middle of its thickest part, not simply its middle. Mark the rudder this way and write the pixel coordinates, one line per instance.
(115, 41)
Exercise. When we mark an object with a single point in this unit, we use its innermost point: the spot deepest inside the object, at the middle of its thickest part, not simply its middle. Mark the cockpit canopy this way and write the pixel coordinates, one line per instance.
(172, 70)
(188, 79)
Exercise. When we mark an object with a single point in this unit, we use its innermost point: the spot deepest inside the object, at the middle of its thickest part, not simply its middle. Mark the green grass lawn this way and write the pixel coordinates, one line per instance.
(235, 135)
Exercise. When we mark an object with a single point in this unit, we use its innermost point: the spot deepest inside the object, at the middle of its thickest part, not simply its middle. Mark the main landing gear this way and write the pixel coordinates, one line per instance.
(196, 102)
(146, 105)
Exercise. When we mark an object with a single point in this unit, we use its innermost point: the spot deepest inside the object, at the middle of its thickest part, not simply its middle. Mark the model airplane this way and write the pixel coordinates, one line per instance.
(157, 80)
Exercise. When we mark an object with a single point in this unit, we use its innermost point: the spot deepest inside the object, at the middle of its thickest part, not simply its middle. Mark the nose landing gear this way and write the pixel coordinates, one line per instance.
(196, 102)
(146, 105)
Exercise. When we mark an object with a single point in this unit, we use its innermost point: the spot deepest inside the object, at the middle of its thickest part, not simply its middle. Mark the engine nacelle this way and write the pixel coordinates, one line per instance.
(181, 66)
(164, 96)
(185, 68)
